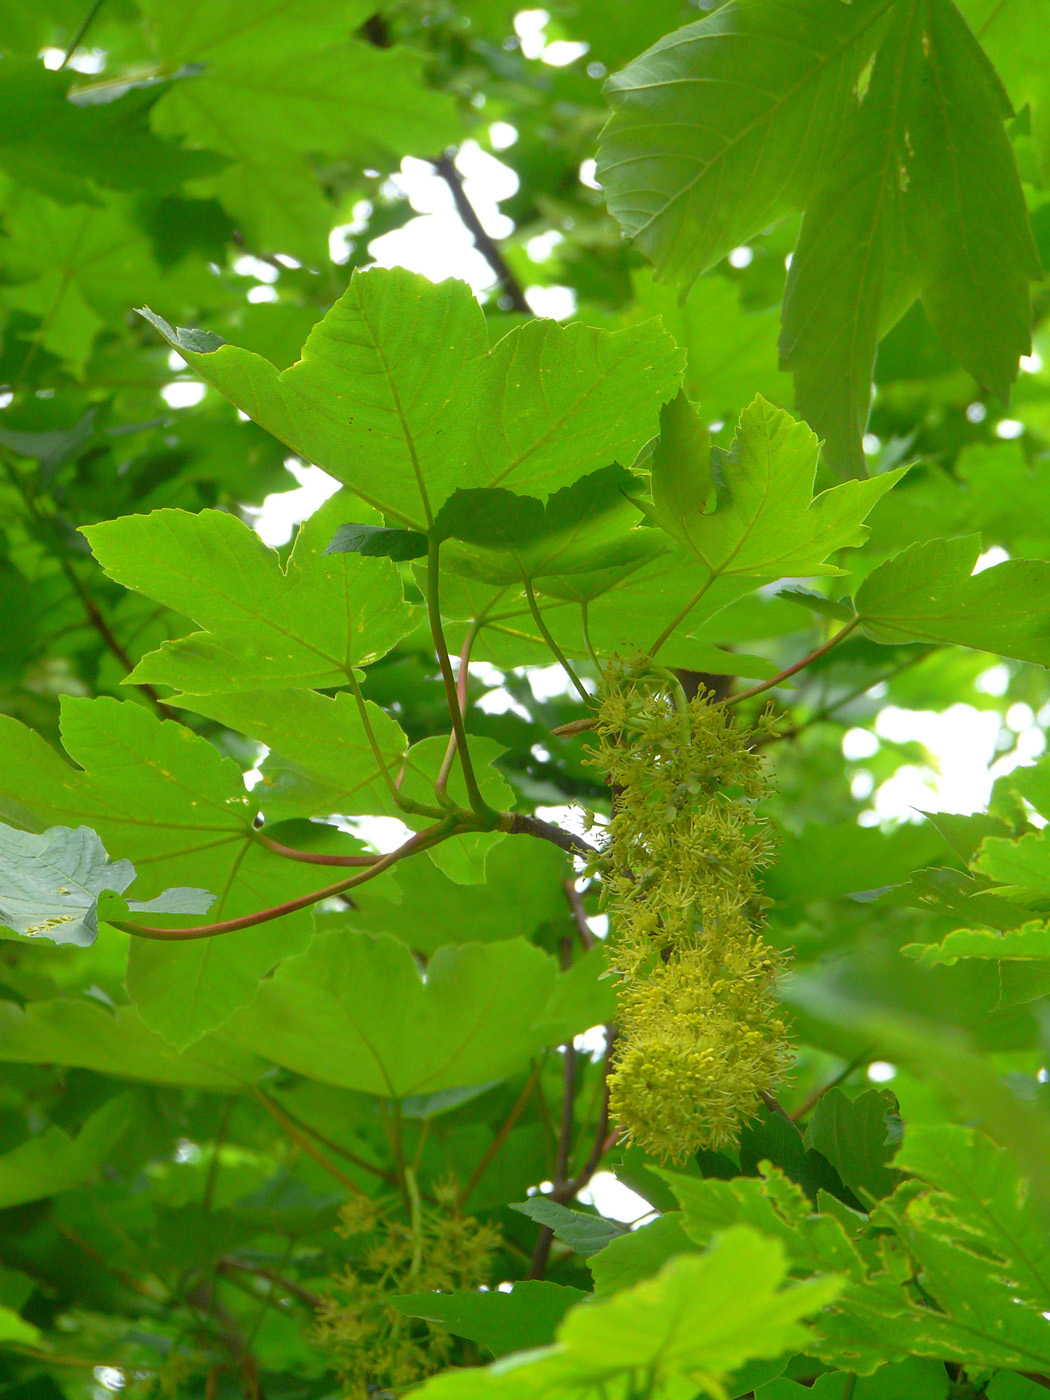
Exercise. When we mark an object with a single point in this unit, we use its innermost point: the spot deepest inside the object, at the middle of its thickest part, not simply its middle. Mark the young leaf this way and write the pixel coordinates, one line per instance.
(930, 593)
(702, 1315)
(766, 524)
(1030, 942)
(58, 884)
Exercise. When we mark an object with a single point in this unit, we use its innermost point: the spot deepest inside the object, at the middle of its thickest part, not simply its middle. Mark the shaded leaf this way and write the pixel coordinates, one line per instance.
(930, 593)
(525, 1317)
(586, 1234)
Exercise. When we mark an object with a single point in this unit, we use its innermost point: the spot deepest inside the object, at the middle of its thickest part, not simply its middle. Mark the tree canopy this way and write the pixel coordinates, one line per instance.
(525, 585)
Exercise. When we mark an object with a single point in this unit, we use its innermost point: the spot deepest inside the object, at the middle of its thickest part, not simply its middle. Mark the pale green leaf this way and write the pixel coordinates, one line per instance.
(265, 627)
(398, 397)
(58, 884)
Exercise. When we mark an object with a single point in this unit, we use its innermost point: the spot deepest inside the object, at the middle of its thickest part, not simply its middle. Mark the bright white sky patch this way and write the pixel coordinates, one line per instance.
(615, 1200)
(281, 511)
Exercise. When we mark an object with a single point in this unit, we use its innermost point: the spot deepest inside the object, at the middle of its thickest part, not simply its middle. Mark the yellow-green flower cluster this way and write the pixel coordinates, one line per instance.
(699, 1038)
(378, 1349)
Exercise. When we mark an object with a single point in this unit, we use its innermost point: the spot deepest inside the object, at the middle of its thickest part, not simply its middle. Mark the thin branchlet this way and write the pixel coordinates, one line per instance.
(700, 1040)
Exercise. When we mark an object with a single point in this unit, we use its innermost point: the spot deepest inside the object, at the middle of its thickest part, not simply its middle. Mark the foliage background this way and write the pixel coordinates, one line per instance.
(169, 1193)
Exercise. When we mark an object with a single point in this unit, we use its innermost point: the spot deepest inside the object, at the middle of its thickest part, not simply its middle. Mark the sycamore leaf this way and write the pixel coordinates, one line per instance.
(1029, 942)
(586, 1234)
(322, 92)
(84, 1034)
(683, 1330)
(930, 593)
(53, 1161)
(525, 1317)
(703, 1315)
(377, 542)
(397, 395)
(765, 523)
(858, 1137)
(884, 122)
(320, 758)
(60, 146)
(588, 527)
(722, 127)
(265, 627)
(172, 805)
(980, 1196)
(1022, 866)
(353, 1011)
(58, 884)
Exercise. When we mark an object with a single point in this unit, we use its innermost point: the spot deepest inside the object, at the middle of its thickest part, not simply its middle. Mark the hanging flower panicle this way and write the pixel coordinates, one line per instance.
(700, 1040)
(377, 1349)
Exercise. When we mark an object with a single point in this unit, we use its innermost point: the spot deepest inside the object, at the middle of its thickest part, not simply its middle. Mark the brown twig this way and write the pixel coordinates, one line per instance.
(484, 242)
(562, 1181)
(789, 671)
(522, 824)
(815, 1097)
(91, 608)
(420, 842)
(78, 37)
(337, 1148)
(312, 857)
(579, 913)
(296, 1290)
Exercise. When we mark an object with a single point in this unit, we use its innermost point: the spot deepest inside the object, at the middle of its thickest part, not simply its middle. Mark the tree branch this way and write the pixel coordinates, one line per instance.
(485, 244)
(522, 824)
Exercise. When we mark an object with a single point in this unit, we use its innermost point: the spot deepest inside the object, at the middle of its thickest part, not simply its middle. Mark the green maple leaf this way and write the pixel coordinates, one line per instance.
(58, 884)
(266, 627)
(930, 593)
(884, 122)
(168, 801)
(749, 516)
(482, 1011)
(398, 396)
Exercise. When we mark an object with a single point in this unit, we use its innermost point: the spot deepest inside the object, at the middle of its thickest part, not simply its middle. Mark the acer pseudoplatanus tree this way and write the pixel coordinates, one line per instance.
(573, 920)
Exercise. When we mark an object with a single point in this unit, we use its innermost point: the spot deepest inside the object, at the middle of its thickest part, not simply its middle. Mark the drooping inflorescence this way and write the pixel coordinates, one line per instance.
(699, 1039)
(377, 1349)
